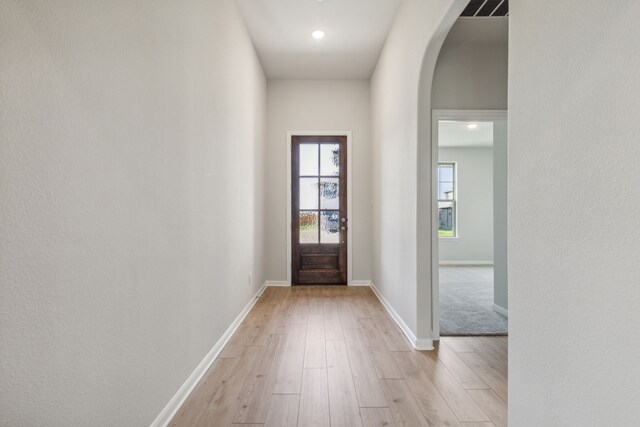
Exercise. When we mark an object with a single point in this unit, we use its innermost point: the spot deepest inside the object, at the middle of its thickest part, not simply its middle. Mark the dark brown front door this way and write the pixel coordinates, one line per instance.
(319, 210)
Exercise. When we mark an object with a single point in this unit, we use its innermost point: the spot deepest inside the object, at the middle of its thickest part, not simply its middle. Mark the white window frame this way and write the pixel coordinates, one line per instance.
(454, 200)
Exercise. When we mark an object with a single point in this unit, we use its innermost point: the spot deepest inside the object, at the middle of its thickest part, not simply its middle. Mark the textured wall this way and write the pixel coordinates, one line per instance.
(130, 154)
(574, 97)
(318, 105)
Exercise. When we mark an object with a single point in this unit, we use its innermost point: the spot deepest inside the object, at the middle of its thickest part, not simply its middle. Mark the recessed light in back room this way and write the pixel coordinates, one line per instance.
(318, 34)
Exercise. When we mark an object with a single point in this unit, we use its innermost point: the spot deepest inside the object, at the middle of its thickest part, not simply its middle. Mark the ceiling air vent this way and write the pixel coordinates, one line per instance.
(486, 8)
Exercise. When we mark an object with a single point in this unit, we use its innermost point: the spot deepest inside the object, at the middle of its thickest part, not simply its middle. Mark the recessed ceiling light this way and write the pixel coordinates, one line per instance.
(472, 126)
(317, 34)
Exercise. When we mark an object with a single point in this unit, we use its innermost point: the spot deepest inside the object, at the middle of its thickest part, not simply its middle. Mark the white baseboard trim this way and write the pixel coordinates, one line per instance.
(284, 283)
(169, 411)
(466, 262)
(501, 310)
(423, 344)
(360, 283)
(418, 344)
(276, 283)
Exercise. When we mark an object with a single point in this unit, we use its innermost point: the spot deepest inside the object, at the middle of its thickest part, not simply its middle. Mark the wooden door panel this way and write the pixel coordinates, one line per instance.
(310, 261)
(319, 209)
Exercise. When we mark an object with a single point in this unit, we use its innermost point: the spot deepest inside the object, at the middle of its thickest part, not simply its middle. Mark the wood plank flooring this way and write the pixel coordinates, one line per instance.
(331, 356)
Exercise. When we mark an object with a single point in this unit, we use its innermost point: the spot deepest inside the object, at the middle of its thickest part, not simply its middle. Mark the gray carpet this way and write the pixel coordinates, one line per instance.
(466, 302)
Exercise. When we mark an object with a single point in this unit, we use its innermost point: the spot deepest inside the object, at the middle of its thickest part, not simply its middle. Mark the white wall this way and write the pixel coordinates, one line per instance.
(131, 151)
(401, 93)
(474, 241)
(318, 105)
(471, 72)
(574, 97)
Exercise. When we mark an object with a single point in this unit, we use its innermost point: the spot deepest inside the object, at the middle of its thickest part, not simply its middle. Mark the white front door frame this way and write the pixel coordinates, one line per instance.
(349, 197)
(436, 116)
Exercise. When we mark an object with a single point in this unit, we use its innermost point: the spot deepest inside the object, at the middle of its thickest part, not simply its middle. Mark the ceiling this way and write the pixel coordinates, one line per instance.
(456, 134)
(355, 34)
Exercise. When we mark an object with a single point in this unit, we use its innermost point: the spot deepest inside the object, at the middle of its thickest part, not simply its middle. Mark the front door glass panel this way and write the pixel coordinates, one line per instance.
(330, 159)
(308, 227)
(330, 227)
(319, 193)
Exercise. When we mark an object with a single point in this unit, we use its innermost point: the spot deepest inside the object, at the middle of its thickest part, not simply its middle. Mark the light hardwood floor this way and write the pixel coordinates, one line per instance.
(331, 356)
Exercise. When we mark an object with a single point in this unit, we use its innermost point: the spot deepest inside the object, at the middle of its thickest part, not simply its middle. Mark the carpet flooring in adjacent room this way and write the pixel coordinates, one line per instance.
(466, 302)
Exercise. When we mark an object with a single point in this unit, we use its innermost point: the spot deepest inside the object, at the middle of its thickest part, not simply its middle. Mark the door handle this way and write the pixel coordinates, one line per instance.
(343, 228)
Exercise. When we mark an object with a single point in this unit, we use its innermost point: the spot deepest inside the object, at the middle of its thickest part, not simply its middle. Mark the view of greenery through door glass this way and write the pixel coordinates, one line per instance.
(446, 200)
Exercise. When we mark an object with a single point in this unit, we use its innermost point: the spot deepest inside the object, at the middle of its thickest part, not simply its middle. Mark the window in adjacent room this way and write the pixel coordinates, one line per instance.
(447, 200)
